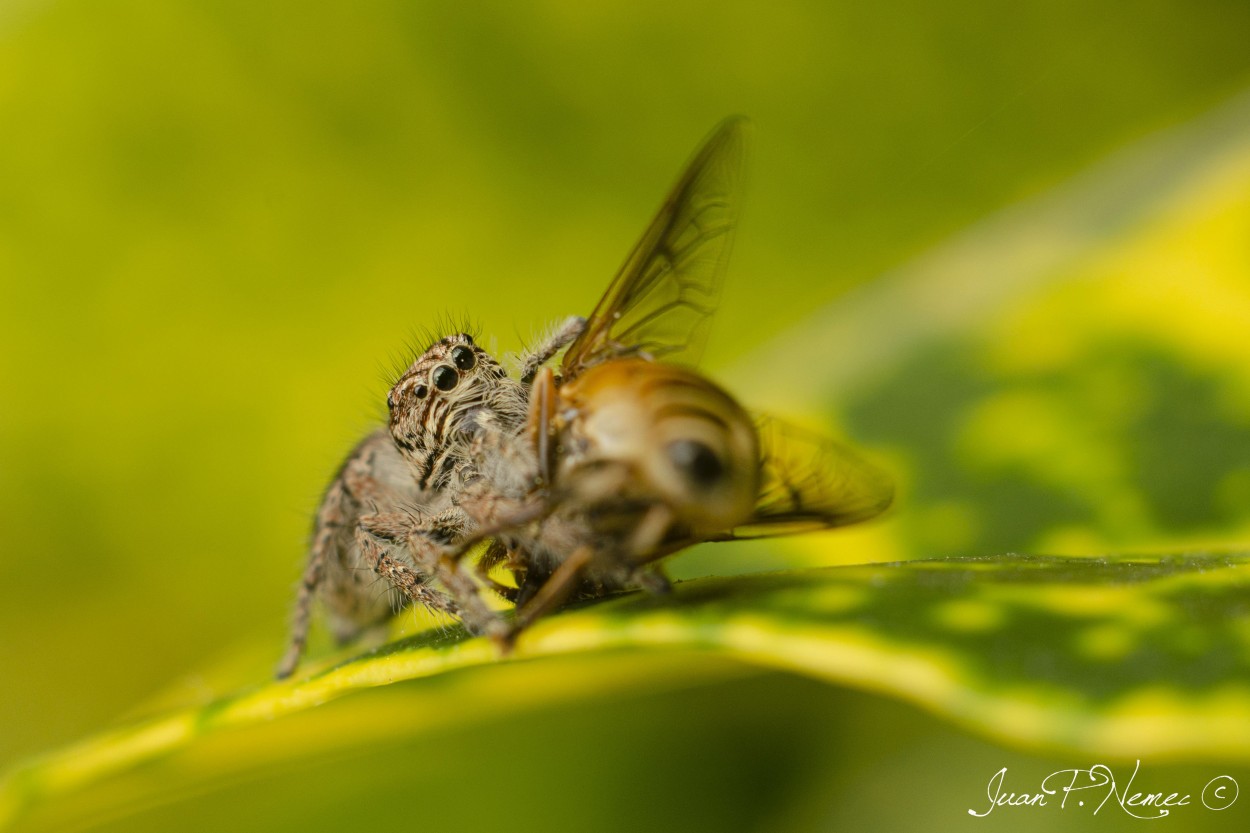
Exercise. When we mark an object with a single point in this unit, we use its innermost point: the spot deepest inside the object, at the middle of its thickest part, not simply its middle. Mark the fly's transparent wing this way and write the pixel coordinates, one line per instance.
(660, 302)
(808, 482)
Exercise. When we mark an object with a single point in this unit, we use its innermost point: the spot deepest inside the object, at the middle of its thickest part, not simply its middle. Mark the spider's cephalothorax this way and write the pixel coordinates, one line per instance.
(450, 394)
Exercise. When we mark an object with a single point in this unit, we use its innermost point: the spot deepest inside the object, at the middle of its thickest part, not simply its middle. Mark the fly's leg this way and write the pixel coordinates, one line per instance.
(373, 473)
(616, 569)
(428, 543)
(497, 553)
(553, 592)
(645, 546)
(652, 579)
(532, 360)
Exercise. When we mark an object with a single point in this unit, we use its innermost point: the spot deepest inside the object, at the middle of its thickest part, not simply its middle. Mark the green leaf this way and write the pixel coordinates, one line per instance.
(1118, 657)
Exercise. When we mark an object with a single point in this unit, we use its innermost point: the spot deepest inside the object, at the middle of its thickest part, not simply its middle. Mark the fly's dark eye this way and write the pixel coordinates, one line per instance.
(444, 378)
(464, 358)
(422, 391)
(699, 462)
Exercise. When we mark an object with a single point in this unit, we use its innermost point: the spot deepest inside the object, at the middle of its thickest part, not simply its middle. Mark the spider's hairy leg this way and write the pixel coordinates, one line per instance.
(435, 546)
(374, 536)
(540, 354)
(373, 473)
(309, 582)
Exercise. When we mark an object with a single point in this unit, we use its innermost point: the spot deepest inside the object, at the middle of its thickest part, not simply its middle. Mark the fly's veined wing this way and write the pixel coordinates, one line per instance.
(660, 302)
(809, 482)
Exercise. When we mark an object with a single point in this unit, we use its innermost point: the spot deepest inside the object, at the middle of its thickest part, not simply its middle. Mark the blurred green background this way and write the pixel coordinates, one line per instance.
(222, 223)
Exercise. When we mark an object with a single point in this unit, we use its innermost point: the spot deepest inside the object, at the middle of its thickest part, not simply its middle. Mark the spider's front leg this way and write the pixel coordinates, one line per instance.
(435, 547)
(532, 360)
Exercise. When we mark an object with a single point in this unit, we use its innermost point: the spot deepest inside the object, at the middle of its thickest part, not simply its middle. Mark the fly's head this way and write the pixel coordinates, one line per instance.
(448, 395)
(658, 434)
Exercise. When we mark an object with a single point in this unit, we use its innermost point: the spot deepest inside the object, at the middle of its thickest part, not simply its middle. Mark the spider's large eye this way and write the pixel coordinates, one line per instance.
(390, 401)
(464, 358)
(422, 391)
(444, 378)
